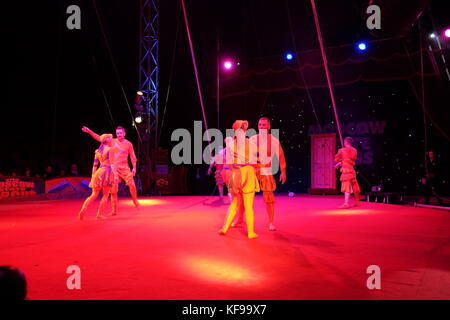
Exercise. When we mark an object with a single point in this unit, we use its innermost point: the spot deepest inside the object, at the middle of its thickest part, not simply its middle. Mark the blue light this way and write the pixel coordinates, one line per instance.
(289, 56)
(362, 46)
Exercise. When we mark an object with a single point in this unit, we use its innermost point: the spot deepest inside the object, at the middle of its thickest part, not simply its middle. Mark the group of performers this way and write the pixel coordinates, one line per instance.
(245, 166)
(244, 177)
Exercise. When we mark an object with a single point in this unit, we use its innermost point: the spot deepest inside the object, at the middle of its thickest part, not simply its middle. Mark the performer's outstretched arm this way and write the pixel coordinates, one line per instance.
(92, 133)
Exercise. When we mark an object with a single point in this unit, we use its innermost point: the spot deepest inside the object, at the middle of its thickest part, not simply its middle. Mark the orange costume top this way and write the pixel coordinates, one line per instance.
(103, 175)
(121, 151)
(270, 157)
(347, 158)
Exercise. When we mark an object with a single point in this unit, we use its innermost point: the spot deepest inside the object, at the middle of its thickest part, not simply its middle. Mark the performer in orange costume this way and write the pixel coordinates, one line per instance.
(122, 148)
(346, 159)
(102, 176)
(243, 183)
(268, 147)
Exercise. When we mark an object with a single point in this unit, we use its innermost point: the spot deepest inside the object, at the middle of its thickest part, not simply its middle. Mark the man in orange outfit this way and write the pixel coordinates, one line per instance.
(267, 147)
(346, 159)
(122, 148)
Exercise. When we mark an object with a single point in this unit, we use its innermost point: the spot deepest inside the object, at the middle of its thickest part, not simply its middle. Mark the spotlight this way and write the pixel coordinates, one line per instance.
(228, 64)
(138, 98)
(362, 46)
(447, 33)
(289, 56)
(138, 117)
(432, 35)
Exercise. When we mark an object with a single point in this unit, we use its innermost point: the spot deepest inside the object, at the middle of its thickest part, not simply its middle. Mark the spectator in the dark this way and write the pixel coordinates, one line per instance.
(27, 172)
(13, 173)
(48, 173)
(433, 178)
(74, 170)
(13, 284)
(62, 173)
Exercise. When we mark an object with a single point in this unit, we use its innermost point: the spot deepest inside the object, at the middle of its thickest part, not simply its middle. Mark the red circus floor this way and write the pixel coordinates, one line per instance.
(170, 249)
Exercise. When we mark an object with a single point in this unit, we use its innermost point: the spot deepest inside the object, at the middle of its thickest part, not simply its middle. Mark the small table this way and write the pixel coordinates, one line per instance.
(384, 195)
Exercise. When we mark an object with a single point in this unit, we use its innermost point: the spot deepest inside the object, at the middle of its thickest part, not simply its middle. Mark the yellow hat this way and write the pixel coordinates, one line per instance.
(105, 136)
(240, 124)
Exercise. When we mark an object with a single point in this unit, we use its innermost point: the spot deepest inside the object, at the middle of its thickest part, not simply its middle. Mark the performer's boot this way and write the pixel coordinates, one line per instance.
(81, 214)
(249, 215)
(86, 204)
(133, 193)
(113, 205)
(240, 215)
(231, 215)
(346, 198)
(101, 207)
(270, 206)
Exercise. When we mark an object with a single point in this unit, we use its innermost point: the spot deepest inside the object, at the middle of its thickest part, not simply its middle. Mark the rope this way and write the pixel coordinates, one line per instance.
(57, 72)
(425, 131)
(116, 72)
(170, 75)
(298, 63)
(196, 74)
(96, 72)
(325, 64)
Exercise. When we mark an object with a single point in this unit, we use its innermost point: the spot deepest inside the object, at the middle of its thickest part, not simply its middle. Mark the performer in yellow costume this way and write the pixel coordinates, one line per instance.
(268, 148)
(102, 176)
(122, 148)
(346, 159)
(243, 183)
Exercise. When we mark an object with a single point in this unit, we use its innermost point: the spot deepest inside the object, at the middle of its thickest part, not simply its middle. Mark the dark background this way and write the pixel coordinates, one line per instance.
(55, 78)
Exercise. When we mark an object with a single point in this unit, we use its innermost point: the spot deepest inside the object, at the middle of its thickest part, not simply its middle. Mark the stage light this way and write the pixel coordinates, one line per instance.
(138, 98)
(447, 33)
(138, 117)
(228, 65)
(362, 46)
(289, 56)
(432, 35)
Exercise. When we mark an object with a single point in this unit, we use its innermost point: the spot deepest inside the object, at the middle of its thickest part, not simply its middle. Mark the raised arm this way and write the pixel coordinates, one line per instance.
(92, 133)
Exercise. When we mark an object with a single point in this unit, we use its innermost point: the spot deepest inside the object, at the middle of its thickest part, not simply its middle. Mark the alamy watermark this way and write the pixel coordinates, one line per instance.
(374, 281)
(74, 20)
(74, 280)
(240, 147)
